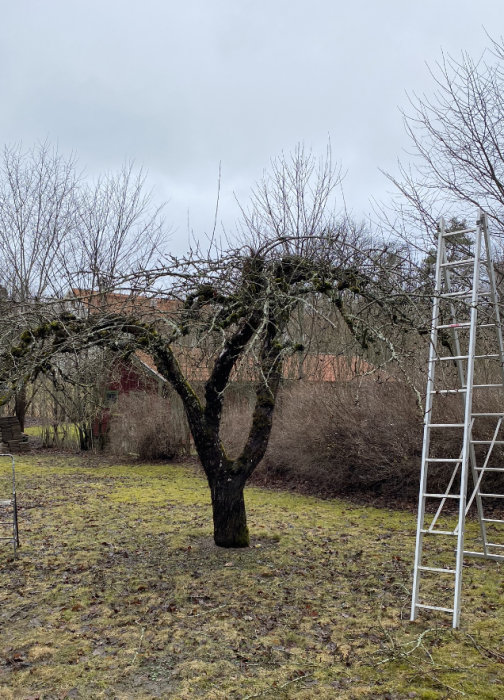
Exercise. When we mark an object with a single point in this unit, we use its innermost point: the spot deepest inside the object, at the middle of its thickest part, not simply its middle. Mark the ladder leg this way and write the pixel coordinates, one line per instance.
(449, 287)
(467, 430)
(426, 433)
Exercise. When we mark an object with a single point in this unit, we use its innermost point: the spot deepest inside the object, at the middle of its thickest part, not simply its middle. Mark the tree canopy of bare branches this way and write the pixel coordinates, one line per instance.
(234, 309)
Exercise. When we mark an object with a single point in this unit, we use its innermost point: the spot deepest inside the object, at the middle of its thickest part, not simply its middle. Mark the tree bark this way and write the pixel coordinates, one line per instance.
(229, 516)
(85, 436)
(20, 406)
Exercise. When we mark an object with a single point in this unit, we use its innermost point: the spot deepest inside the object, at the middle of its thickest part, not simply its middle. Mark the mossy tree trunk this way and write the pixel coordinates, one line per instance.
(85, 432)
(21, 406)
(228, 510)
(227, 478)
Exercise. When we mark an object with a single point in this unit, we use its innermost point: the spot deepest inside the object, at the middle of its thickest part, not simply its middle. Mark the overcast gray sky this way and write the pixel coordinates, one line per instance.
(183, 86)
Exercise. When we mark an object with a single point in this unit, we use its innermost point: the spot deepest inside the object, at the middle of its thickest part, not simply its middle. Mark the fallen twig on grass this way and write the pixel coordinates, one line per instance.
(139, 646)
(283, 685)
(415, 644)
(207, 612)
(485, 651)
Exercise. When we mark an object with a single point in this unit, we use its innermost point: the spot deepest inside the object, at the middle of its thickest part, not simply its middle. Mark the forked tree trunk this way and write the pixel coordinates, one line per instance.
(229, 516)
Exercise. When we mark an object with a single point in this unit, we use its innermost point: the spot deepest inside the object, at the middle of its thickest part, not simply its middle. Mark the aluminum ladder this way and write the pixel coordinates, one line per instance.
(8, 507)
(466, 359)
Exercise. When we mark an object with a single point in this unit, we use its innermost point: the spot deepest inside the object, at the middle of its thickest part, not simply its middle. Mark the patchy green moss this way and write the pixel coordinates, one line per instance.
(42, 331)
(26, 337)
(266, 399)
(242, 539)
(119, 589)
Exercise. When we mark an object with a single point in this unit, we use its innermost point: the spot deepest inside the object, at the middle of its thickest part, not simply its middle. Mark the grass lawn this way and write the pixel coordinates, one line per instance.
(119, 592)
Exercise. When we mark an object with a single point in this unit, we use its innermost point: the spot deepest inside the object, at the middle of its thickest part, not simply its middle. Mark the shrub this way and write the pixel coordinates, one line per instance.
(149, 426)
(346, 437)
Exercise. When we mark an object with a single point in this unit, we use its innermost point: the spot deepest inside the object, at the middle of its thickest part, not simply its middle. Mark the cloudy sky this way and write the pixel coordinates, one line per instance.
(180, 87)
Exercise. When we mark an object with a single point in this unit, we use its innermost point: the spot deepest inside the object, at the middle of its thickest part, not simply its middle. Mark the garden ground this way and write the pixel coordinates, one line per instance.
(119, 592)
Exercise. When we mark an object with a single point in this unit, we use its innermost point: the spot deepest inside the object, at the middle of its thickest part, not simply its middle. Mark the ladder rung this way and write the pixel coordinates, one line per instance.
(463, 324)
(494, 544)
(441, 495)
(449, 391)
(492, 520)
(492, 495)
(440, 571)
(456, 263)
(454, 295)
(6, 503)
(482, 555)
(451, 460)
(445, 234)
(438, 532)
(463, 357)
(445, 425)
(487, 442)
(463, 389)
(487, 414)
(433, 607)
(489, 469)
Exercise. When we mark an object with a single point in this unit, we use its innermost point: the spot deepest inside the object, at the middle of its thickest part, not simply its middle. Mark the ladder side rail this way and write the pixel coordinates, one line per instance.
(493, 290)
(427, 420)
(483, 224)
(467, 428)
(476, 495)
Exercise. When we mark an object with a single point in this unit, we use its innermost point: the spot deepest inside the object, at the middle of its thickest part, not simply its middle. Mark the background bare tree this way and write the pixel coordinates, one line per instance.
(118, 231)
(59, 232)
(38, 207)
(457, 147)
